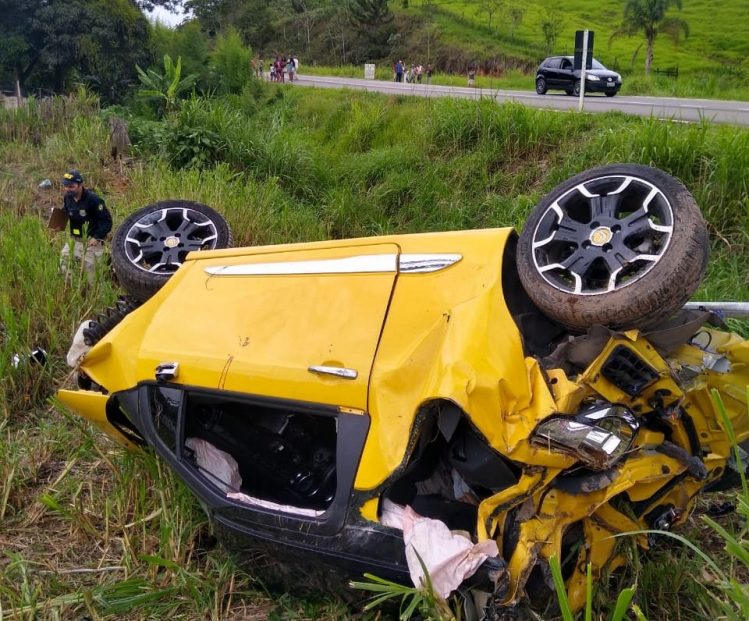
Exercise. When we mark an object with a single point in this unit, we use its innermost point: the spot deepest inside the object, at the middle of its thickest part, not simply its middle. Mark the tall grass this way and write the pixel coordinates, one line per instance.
(39, 118)
(291, 165)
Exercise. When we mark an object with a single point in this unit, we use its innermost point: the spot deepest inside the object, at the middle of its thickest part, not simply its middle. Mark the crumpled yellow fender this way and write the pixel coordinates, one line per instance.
(93, 407)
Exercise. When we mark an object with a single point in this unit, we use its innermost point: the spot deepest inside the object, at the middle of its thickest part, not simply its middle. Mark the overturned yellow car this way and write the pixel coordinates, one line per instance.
(542, 393)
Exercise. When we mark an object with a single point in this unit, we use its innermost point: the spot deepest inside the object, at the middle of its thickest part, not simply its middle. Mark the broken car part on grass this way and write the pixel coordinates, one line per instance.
(543, 402)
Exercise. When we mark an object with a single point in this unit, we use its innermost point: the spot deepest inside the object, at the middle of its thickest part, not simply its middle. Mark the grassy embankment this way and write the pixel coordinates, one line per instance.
(718, 35)
(87, 530)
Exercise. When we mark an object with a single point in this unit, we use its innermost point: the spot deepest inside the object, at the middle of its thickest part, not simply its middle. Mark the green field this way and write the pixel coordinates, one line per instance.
(88, 531)
(718, 39)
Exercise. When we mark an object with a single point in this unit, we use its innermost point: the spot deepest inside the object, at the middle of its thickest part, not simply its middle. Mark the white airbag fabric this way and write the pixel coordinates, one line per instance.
(222, 467)
(449, 557)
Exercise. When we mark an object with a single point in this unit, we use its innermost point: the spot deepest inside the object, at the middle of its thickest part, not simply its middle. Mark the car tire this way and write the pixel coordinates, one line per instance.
(143, 256)
(623, 246)
(610, 94)
(576, 89)
(541, 86)
(569, 91)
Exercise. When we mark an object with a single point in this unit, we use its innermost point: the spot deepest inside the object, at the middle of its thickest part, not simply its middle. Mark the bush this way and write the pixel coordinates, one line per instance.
(230, 60)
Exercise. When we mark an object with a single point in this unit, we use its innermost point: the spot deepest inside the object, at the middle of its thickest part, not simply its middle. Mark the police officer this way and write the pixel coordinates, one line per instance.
(90, 223)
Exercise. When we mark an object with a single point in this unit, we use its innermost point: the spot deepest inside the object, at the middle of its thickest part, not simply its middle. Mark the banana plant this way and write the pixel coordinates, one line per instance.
(165, 88)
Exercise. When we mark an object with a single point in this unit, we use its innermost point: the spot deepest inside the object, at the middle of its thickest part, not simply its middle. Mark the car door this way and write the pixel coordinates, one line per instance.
(566, 76)
(297, 324)
(547, 71)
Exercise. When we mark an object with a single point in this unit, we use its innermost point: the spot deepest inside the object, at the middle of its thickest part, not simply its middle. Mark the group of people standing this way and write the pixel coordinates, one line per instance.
(413, 74)
(278, 68)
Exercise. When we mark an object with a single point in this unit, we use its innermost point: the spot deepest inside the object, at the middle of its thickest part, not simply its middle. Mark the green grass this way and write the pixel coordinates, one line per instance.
(719, 34)
(87, 530)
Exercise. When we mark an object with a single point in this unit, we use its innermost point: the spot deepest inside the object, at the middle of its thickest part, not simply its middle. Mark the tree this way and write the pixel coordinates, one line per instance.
(517, 13)
(491, 8)
(231, 61)
(648, 17)
(109, 44)
(253, 19)
(552, 23)
(372, 20)
(308, 12)
(369, 14)
(22, 38)
(338, 27)
(46, 42)
(186, 41)
(148, 5)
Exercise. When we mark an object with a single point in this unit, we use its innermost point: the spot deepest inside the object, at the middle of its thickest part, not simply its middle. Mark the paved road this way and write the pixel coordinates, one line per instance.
(686, 110)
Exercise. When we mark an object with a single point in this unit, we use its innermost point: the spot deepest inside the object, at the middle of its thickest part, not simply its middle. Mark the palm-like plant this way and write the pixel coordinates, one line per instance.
(165, 88)
(648, 17)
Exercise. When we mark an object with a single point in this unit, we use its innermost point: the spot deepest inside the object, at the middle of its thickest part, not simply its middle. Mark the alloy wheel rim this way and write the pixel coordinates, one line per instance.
(602, 235)
(159, 241)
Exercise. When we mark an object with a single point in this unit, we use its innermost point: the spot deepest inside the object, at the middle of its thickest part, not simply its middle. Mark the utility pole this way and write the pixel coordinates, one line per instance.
(581, 102)
(583, 59)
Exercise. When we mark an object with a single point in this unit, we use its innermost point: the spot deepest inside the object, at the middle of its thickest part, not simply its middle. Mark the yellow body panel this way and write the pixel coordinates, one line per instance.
(259, 334)
(93, 407)
(415, 341)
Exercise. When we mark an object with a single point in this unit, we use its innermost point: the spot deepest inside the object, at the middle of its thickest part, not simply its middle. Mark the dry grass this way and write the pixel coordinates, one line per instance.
(88, 531)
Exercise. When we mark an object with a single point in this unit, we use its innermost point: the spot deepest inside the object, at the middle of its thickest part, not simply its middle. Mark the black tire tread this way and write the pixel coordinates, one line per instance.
(142, 285)
(657, 295)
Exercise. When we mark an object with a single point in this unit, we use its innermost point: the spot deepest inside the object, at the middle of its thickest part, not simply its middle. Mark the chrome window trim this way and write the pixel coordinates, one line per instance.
(359, 264)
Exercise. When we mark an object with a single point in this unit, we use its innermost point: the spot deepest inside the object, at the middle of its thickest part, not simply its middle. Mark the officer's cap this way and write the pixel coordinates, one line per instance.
(72, 177)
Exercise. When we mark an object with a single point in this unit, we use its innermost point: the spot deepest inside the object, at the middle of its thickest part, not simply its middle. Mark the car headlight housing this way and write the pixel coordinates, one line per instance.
(592, 78)
(599, 437)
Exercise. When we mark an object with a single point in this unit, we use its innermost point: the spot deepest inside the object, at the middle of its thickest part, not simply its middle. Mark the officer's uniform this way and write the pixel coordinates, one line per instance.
(89, 219)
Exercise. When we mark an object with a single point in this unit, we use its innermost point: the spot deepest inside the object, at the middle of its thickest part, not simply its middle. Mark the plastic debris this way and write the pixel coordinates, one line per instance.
(46, 184)
(37, 356)
(78, 347)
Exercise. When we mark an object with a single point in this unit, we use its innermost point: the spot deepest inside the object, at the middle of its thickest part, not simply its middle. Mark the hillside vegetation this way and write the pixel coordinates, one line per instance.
(718, 39)
(45, 49)
(88, 531)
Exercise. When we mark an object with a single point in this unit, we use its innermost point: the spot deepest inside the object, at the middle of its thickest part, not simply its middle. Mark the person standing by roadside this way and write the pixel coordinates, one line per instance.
(290, 69)
(471, 76)
(429, 73)
(90, 223)
(399, 71)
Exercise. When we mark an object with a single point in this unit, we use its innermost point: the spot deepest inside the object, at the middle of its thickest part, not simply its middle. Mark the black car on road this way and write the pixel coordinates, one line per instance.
(557, 72)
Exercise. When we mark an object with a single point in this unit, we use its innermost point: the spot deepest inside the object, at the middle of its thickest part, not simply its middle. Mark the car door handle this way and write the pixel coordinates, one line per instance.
(341, 372)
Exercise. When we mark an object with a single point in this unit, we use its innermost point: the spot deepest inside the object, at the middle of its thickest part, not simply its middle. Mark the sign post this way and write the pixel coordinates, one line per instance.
(583, 59)
(369, 71)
